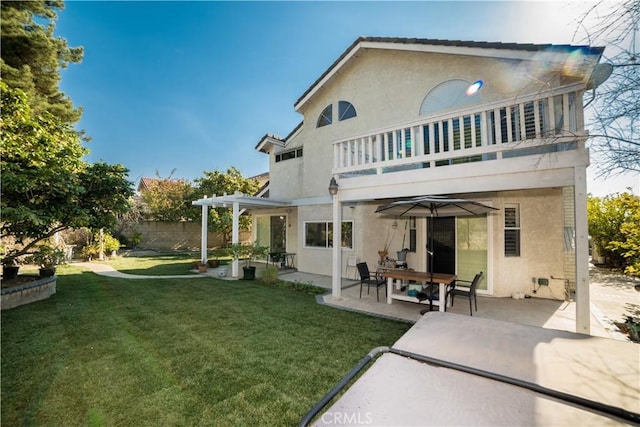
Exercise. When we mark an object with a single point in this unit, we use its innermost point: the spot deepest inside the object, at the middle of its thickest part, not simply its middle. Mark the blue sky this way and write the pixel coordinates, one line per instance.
(193, 86)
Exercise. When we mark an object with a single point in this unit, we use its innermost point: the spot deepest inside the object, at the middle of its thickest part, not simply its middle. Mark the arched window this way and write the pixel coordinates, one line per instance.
(451, 95)
(346, 110)
(326, 117)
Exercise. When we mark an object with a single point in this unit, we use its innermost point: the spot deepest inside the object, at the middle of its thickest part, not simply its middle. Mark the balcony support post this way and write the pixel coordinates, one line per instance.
(583, 310)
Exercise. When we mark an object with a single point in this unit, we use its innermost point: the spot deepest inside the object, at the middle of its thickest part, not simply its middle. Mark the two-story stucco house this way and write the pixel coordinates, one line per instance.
(390, 119)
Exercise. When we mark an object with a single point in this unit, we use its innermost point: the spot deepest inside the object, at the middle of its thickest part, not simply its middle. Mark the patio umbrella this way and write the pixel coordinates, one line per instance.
(431, 206)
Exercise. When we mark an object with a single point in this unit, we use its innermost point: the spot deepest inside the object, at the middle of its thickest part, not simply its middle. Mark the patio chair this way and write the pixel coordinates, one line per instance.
(366, 277)
(275, 258)
(469, 292)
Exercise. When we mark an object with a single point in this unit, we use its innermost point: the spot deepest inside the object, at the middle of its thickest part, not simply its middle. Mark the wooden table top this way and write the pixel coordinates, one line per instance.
(419, 276)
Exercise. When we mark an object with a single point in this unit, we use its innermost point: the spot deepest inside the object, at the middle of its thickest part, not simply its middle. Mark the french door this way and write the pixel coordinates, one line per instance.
(272, 232)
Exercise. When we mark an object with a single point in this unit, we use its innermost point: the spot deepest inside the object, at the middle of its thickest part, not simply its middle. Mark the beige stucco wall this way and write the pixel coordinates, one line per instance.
(542, 252)
(371, 84)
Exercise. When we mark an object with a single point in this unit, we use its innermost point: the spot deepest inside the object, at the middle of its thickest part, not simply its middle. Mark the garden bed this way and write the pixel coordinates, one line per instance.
(26, 289)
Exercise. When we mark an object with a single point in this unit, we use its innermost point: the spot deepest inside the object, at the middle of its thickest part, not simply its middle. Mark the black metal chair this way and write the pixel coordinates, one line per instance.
(366, 277)
(276, 258)
(469, 292)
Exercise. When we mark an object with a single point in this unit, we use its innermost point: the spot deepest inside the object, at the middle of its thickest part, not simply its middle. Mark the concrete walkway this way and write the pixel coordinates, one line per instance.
(107, 270)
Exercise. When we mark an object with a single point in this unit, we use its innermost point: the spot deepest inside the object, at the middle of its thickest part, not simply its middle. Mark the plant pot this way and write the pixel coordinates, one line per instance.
(249, 273)
(213, 263)
(10, 272)
(202, 268)
(47, 272)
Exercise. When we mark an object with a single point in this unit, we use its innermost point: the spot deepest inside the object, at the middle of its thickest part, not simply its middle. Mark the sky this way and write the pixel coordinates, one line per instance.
(179, 88)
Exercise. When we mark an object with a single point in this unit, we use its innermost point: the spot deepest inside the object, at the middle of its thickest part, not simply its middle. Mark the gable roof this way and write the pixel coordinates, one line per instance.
(147, 184)
(459, 47)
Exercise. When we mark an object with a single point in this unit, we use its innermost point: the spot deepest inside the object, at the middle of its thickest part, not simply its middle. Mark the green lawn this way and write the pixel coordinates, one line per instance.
(106, 351)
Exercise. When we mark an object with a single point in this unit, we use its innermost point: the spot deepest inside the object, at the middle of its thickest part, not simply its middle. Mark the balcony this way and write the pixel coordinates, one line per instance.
(533, 125)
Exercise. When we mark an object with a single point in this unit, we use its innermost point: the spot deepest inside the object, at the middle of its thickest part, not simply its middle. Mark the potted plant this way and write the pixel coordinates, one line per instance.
(216, 255)
(47, 258)
(248, 253)
(10, 266)
(202, 267)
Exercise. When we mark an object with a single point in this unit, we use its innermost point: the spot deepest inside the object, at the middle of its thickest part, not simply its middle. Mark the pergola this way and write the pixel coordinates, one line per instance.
(239, 202)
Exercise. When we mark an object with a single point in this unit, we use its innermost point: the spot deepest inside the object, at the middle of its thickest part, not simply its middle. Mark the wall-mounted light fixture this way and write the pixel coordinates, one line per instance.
(333, 186)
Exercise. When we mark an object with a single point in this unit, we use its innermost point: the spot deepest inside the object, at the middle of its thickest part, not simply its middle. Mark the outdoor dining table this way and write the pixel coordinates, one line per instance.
(393, 274)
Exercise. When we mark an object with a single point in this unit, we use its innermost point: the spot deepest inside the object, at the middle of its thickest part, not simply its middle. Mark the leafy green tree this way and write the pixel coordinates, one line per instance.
(32, 56)
(614, 226)
(169, 200)
(219, 183)
(46, 186)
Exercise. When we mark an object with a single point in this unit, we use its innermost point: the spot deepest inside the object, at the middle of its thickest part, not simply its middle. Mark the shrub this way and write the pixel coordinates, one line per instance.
(47, 256)
(269, 275)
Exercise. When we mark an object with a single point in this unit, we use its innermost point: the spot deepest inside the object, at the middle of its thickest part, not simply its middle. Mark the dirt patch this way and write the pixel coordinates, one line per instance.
(22, 279)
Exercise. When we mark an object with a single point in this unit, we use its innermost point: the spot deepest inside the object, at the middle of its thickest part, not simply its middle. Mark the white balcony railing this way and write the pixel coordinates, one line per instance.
(540, 123)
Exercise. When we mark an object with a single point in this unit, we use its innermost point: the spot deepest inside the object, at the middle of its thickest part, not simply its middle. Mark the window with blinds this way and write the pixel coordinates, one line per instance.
(511, 229)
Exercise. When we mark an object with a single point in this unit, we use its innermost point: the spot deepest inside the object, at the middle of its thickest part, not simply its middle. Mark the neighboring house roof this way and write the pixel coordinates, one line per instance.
(263, 181)
(147, 184)
(459, 47)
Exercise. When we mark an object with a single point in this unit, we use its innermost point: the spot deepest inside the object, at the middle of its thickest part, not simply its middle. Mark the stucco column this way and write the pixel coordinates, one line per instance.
(583, 304)
(235, 238)
(336, 280)
(203, 233)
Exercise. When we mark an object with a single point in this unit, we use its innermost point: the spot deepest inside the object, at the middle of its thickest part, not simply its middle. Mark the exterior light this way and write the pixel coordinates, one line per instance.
(333, 187)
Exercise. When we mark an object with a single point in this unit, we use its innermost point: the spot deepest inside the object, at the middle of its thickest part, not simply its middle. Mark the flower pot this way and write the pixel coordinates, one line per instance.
(10, 272)
(47, 272)
(222, 272)
(249, 273)
(213, 263)
(202, 268)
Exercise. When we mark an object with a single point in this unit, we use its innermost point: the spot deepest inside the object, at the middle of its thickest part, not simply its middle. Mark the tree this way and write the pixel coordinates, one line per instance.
(32, 56)
(219, 183)
(169, 199)
(614, 227)
(615, 126)
(46, 186)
